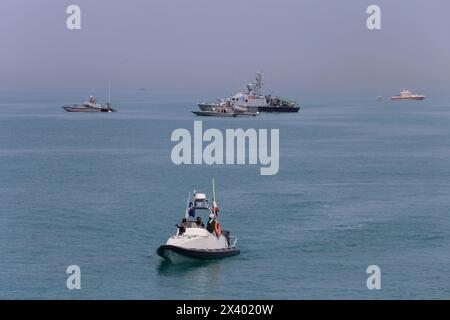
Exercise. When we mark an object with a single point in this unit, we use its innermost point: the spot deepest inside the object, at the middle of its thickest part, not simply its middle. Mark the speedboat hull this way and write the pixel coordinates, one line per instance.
(223, 114)
(84, 109)
(176, 254)
(207, 106)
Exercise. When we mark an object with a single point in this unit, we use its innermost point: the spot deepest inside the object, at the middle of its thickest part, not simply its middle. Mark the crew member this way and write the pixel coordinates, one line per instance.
(211, 225)
(199, 223)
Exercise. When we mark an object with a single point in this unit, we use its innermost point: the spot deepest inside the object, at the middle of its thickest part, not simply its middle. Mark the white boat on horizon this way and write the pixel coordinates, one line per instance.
(408, 95)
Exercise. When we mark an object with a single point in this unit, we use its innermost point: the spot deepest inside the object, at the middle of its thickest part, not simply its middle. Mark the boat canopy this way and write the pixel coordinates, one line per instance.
(200, 196)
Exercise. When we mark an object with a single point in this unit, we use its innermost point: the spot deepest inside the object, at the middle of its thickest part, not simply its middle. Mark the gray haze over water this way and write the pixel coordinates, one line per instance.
(301, 46)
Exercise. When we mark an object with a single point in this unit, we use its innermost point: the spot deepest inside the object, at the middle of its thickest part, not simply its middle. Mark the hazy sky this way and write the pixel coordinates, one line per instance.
(307, 45)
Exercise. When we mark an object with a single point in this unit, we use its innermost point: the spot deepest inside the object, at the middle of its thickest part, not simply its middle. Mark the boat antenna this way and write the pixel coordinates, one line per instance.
(109, 92)
(258, 83)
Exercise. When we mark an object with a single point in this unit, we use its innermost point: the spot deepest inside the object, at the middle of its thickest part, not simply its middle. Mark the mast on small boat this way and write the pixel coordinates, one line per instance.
(214, 203)
(109, 93)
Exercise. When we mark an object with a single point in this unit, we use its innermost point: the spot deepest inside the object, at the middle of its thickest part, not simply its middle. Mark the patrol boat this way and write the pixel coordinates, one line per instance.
(254, 101)
(193, 241)
(89, 106)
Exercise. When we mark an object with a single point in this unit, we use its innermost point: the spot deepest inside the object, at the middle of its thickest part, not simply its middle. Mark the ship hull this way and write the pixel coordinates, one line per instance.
(212, 107)
(272, 109)
(278, 109)
(408, 98)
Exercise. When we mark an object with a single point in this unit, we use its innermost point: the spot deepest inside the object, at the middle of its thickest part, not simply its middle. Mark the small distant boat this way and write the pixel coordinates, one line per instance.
(225, 110)
(195, 241)
(408, 95)
(208, 106)
(89, 106)
(379, 99)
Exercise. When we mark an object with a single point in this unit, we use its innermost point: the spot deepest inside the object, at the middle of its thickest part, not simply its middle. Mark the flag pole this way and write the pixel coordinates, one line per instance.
(213, 190)
(109, 92)
(214, 197)
(186, 213)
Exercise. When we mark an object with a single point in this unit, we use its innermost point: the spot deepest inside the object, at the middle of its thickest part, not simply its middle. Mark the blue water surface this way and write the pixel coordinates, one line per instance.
(360, 183)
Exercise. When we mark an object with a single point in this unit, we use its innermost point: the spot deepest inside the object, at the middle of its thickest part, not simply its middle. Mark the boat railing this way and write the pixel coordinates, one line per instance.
(232, 241)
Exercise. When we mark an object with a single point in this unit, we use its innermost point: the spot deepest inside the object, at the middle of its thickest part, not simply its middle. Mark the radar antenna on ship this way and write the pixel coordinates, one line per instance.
(256, 85)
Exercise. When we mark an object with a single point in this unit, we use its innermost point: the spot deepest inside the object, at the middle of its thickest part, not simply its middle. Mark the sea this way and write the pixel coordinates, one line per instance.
(361, 183)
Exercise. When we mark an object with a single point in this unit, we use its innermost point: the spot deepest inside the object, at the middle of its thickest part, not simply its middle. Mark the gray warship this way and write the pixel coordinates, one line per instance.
(253, 100)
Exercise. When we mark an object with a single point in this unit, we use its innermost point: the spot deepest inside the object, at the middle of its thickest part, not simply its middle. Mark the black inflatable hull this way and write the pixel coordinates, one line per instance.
(178, 254)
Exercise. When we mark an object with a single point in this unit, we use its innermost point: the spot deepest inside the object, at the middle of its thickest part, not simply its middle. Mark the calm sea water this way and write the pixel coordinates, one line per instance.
(360, 183)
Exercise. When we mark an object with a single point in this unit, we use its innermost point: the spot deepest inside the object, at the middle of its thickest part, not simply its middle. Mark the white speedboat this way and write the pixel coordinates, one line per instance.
(198, 240)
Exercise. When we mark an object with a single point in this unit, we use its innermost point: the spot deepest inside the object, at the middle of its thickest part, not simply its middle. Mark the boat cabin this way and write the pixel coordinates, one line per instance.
(200, 201)
(247, 100)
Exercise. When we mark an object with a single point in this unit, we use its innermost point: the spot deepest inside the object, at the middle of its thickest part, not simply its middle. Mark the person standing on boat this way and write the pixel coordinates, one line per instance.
(184, 224)
(199, 223)
(211, 225)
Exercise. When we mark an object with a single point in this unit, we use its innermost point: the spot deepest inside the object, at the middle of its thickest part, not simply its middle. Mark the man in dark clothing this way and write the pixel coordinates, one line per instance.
(199, 223)
(211, 226)
(184, 224)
